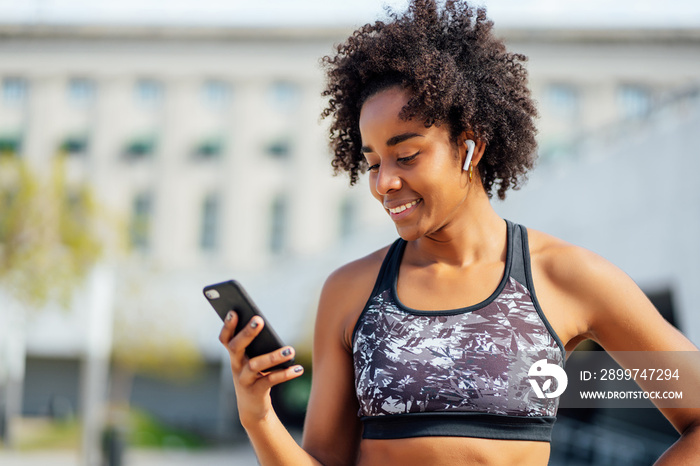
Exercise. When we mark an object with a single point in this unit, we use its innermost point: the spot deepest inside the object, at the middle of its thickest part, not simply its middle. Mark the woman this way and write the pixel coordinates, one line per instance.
(422, 349)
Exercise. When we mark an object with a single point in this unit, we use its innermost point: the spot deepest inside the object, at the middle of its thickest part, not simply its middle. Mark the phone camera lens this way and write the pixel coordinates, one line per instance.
(212, 294)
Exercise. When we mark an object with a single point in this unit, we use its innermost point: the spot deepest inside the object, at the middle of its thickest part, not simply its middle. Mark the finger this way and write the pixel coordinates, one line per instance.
(278, 377)
(266, 361)
(249, 377)
(229, 328)
(260, 366)
(242, 339)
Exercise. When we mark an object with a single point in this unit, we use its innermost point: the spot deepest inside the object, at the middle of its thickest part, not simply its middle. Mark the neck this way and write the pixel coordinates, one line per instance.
(475, 233)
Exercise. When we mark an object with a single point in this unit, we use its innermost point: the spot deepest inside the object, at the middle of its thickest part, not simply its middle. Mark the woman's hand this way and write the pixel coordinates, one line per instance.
(251, 378)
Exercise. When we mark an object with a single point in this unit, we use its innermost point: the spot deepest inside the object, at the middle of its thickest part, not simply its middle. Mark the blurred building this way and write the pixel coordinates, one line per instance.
(205, 150)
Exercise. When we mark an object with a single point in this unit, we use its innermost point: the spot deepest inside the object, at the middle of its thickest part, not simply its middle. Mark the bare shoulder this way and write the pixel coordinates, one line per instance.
(580, 279)
(569, 266)
(589, 297)
(561, 273)
(350, 278)
(346, 291)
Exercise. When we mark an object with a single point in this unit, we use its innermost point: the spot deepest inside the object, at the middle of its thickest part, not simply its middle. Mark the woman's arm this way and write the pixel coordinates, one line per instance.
(272, 443)
(596, 300)
(331, 416)
(332, 429)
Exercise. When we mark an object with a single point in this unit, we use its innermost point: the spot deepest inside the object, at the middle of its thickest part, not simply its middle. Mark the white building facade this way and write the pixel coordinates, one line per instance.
(205, 151)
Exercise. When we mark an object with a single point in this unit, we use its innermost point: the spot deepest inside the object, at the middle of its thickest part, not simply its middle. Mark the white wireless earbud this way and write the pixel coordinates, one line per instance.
(470, 151)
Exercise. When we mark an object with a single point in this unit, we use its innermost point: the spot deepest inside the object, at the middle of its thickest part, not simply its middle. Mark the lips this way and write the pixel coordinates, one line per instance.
(401, 208)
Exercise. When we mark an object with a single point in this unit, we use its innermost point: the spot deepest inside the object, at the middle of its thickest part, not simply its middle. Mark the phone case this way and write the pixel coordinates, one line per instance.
(231, 296)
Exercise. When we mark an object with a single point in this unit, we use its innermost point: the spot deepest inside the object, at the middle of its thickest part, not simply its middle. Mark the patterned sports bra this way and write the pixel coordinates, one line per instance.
(462, 372)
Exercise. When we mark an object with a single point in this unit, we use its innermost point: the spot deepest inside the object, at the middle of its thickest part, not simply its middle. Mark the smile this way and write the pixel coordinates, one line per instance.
(401, 208)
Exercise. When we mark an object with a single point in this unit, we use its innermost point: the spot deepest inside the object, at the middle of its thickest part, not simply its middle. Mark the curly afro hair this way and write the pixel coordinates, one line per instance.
(458, 74)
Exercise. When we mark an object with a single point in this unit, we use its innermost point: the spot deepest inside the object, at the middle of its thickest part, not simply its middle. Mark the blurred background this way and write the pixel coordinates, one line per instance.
(150, 148)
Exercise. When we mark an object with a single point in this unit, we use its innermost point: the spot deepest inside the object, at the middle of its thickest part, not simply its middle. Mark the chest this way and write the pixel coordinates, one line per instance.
(429, 289)
(473, 360)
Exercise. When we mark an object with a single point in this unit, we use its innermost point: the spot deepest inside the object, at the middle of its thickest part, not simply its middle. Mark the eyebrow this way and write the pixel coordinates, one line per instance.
(392, 141)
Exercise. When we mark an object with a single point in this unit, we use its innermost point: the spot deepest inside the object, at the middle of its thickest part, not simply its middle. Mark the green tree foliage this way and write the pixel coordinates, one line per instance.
(48, 239)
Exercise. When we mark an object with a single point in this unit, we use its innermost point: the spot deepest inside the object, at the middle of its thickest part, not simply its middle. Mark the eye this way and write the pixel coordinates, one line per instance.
(408, 159)
(373, 168)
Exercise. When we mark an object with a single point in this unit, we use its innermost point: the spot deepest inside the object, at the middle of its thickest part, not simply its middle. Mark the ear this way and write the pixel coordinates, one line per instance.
(471, 149)
(471, 145)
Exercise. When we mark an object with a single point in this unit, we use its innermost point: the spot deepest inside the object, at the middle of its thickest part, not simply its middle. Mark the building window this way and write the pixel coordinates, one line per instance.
(149, 92)
(81, 92)
(140, 228)
(10, 145)
(15, 91)
(348, 217)
(142, 147)
(285, 96)
(216, 94)
(279, 148)
(78, 201)
(562, 100)
(74, 145)
(278, 227)
(209, 149)
(634, 101)
(208, 239)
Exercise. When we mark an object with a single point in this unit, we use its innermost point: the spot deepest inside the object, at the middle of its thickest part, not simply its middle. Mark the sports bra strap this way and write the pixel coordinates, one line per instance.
(388, 270)
(517, 268)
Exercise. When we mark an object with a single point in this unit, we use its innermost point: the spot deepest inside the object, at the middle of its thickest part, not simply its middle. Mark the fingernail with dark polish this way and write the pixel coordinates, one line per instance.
(286, 352)
(254, 324)
(298, 369)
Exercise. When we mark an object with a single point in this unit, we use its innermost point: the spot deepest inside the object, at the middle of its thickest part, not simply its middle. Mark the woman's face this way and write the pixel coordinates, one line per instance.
(414, 171)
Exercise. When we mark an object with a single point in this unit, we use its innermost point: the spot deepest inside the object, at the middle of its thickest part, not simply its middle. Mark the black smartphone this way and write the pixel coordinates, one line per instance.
(230, 296)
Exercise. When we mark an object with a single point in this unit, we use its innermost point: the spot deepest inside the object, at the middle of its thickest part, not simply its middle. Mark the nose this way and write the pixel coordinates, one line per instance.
(387, 180)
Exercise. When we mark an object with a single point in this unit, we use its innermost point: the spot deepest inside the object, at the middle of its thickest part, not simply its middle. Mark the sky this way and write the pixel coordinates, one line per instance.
(257, 13)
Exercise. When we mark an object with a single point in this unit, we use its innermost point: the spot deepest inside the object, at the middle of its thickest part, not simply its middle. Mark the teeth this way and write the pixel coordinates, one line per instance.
(401, 208)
